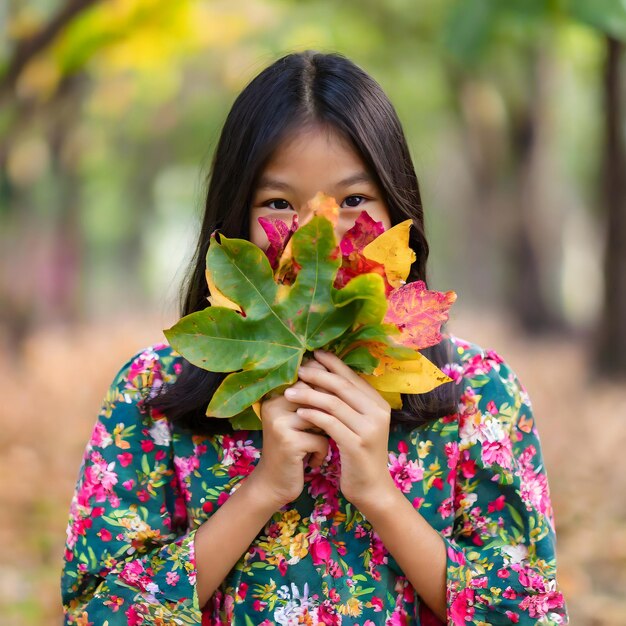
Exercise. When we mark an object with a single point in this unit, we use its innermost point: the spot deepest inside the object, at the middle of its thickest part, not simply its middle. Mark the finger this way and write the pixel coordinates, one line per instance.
(341, 433)
(331, 403)
(334, 364)
(315, 445)
(338, 386)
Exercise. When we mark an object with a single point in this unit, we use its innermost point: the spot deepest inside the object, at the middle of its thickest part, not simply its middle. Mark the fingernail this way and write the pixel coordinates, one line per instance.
(290, 392)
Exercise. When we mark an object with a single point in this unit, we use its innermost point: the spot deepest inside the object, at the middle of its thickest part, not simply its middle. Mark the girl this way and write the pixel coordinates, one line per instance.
(340, 511)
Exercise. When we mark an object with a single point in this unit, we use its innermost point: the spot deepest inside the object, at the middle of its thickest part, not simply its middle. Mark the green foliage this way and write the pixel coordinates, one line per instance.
(265, 348)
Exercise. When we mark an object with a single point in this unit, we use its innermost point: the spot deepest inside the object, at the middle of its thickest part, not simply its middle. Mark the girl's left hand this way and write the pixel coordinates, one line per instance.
(355, 415)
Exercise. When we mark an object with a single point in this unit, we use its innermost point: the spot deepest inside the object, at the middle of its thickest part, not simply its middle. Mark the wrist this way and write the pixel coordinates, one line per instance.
(378, 499)
(260, 495)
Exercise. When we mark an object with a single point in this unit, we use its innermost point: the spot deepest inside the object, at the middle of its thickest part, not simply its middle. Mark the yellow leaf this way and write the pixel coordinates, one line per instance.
(393, 397)
(217, 298)
(414, 376)
(257, 408)
(391, 249)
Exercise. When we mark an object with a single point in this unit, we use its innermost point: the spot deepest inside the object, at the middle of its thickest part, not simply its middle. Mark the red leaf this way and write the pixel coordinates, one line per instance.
(365, 229)
(278, 235)
(418, 313)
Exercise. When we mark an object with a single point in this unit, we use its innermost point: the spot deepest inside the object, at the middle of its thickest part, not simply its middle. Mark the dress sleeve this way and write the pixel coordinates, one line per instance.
(501, 562)
(129, 557)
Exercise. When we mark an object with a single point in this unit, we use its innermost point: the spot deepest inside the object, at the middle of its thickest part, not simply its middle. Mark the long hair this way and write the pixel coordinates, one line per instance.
(301, 89)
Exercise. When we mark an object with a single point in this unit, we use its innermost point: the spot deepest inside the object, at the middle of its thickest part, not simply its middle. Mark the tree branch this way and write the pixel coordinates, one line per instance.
(30, 47)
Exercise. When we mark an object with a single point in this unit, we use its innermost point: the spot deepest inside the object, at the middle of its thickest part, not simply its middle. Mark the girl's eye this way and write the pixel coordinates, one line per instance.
(353, 201)
(281, 205)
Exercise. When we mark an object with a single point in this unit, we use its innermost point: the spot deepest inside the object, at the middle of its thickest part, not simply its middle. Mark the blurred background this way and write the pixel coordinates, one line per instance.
(515, 112)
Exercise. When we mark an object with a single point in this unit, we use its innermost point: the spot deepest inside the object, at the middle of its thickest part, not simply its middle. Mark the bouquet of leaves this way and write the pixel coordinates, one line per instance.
(271, 308)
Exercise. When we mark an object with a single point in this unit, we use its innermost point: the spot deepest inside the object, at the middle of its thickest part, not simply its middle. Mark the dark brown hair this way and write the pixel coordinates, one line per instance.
(300, 89)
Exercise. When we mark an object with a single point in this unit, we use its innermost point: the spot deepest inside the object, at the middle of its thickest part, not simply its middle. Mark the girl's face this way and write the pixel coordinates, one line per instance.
(313, 160)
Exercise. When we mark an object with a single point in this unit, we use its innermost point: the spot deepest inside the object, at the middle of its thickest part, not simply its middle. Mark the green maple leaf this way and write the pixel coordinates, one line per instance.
(264, 348)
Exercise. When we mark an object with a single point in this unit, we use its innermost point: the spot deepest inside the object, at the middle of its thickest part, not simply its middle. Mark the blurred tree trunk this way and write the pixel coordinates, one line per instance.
(509, 231)
(532, 266)
(611, 344)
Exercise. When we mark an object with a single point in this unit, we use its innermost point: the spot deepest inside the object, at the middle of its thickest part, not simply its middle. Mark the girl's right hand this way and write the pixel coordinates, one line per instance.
(286, 444)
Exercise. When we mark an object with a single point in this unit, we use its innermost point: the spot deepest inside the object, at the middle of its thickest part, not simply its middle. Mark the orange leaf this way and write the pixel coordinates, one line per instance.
(419, 313)
(325, 206)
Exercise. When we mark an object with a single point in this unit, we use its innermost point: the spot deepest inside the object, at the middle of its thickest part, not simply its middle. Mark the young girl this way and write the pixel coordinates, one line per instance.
(341, 510)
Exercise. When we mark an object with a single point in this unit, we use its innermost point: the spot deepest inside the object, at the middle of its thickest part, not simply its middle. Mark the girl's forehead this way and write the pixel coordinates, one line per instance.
(313, 153)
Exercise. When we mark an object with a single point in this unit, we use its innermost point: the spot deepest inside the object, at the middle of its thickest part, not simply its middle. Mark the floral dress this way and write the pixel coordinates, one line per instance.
(145, 486)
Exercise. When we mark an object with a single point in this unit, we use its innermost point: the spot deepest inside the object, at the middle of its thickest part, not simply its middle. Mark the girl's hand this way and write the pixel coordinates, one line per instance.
(289, 443)
(355, 415)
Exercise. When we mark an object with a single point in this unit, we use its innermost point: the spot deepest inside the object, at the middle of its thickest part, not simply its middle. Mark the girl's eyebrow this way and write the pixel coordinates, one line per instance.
(267, 182)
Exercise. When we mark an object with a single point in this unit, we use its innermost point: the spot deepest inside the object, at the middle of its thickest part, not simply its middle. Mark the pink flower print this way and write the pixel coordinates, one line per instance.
(454, 371)
(399, 617)
(404, 472)
(468, 468)
(125, 459)
(132, 572)
(377, 604)
(326, 614)
(452, 452)
(224, 495)
(456, 556)
(105, 535)
(509, 593)
(133, 615)
(147, 445)
(282, 565)
(446, 508)
(492, 355)
(542, 603)
(496, 505)
(378, 550)
(100, 437)
(497, 453)
(239, 456)
(320, 550)
(477, 365)
(172, 578)
(462, 607)
(492, 407)
(128, 484)
(186, 465)
(513, 617)
(334, 569)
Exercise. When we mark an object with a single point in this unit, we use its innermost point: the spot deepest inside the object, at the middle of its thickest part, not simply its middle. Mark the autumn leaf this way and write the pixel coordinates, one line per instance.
(320, 205)
(217, 298)
(353, 262)
(278, 235)
(364, 231)
(419, 313)
(264, 349)
(392, 250)
(417, 375)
